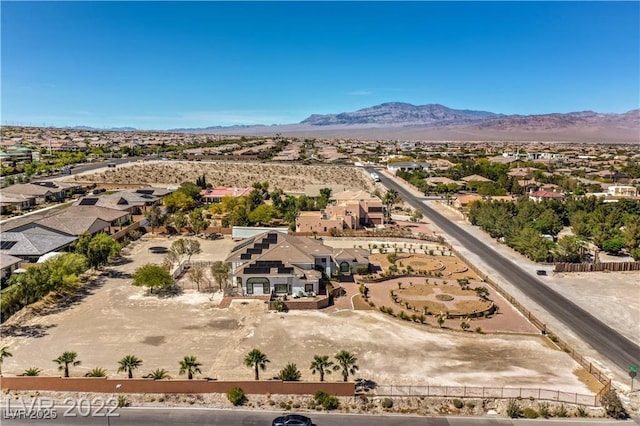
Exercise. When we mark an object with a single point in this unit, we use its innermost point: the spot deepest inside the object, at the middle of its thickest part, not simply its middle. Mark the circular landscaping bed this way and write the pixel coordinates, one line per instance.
(444, 297)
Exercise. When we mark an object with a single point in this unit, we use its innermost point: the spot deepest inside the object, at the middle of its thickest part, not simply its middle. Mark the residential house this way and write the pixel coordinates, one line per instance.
(8, 264)
(215, 195)
(476, 178)
(15, 202)
(40, 193)
(30, 246)
(538, 196)
(406, 166)
(348, 210)
(462, 202)
(622, 191)
(283, 264)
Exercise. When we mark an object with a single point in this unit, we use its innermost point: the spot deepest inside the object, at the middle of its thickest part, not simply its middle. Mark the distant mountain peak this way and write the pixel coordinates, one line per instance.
(400, 113)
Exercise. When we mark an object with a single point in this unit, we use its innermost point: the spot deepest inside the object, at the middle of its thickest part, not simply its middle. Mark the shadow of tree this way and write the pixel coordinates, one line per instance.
(35, 331)
(75, 298)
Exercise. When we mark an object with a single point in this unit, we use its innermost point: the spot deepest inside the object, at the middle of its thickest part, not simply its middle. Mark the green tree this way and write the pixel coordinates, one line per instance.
(155, 217)
(290, 373)
(128, 364)
(258, 360)
(4, 353)
(631, 233)
(569, 249)
(197, 222)
(321, 365)
(178, 201)
(178, 220)
(98, 249)
(66, 359)
(346, 363)
(613, 245)
(262, 214)
(390, 198)
(152, 276)
(220, 271)
(197, 275)
(190, 365)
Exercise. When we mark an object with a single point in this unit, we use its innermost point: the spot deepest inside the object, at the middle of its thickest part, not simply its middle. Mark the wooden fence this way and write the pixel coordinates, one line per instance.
(597, 267)
(486, 392)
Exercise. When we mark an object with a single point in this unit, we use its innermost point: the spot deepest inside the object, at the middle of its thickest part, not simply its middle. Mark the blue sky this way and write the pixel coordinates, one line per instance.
(158, 65)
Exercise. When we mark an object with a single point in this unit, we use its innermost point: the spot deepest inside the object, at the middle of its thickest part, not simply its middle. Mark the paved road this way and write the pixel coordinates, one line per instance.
(608, 342)
(85, 167)
(197, 416)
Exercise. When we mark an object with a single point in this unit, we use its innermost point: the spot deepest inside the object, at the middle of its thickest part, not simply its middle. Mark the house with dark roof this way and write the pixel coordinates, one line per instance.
(30, 246)
(283, 264)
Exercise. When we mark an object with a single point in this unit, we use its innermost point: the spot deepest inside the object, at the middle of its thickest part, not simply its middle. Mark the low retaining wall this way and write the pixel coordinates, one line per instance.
(298, 304)
(104, 385)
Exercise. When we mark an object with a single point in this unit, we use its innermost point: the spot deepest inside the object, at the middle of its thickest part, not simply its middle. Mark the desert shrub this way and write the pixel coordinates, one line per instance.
(479, 330)
(471, 405)
(290, 373)
(530, 413)
(387, 403)
(236, 396)
(543, 409)
(612, 405)
(458, 404)
(320, 396)
(122, 401)
(581, 411)
(560, 411)
(362, 270)
(513, 409)
(330, 403)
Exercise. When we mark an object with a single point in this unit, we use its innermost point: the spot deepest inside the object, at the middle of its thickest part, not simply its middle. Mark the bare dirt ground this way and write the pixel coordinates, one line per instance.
(116, 319)
(238, 174)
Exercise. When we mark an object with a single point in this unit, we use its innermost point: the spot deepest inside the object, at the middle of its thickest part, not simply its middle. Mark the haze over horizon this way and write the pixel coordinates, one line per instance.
(168, 65)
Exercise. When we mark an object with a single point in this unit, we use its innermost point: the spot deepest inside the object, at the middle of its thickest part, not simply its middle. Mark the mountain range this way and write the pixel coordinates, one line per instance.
(397, 120)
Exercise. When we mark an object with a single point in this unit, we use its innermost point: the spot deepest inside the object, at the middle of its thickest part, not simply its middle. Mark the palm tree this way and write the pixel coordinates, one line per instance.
(390, 198)
(65, 359)
(97, 372)
(346, 362)
(190, 365)
(322, 365)
(258, 360)
(4, 353)
(128, 364)
(158, 374)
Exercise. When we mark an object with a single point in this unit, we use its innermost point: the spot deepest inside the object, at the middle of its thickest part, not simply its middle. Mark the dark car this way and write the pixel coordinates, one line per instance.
(292, 420)
(541, 272)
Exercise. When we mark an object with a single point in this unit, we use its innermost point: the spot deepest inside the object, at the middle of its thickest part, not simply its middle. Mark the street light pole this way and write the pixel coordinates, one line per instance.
(118, 386)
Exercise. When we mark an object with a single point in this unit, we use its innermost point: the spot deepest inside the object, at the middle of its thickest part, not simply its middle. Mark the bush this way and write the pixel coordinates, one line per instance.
(513, 409)
(290, 373)
(560, 411)
(458, 404)
(236, 396)
(471, 405)
(362, 270)
(387, 403)
(581, 411)
(530, 413)
(330, 403)
(543, 409)
(122, 401)
(320, 396)
(612, 405)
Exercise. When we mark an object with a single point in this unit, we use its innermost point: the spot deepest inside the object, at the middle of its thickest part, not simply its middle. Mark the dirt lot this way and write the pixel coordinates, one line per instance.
(116, 319)
(239, 174)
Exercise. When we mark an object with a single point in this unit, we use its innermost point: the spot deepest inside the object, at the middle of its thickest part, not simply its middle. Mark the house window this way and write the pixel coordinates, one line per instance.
(344, 267)
(281, 288)
(308, 288)
(323, 260)
(259, 281)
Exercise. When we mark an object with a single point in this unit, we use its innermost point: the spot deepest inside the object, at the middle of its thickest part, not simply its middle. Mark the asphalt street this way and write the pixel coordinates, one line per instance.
(197, 416)
(621, 351)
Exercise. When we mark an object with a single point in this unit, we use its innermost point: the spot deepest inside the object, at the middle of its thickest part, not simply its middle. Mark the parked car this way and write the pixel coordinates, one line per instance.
(541, 272)
(292, 420)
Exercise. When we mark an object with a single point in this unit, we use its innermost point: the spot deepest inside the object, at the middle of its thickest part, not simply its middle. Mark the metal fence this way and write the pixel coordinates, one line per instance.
(486, 392)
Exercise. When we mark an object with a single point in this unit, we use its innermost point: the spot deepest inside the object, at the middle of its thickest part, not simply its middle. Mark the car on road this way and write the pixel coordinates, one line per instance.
(292, 420)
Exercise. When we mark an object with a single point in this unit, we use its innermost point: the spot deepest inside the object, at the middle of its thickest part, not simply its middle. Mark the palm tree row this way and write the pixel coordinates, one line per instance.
(321, 364)
(345, 362)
